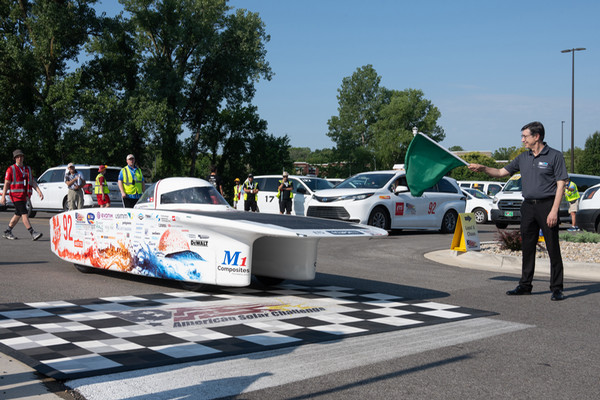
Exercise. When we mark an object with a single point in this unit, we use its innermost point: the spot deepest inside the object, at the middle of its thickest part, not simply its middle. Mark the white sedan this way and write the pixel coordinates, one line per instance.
(479, 204)
(183, 229)
(382, 199)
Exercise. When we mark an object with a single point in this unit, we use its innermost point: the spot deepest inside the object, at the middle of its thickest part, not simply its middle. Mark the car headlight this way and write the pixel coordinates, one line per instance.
(357, 196)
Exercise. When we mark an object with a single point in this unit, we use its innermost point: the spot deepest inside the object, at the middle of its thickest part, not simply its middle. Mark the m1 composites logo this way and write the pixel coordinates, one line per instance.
(234, 263)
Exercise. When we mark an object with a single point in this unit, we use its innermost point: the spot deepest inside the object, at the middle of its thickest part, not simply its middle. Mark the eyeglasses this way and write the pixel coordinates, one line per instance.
(525, 136)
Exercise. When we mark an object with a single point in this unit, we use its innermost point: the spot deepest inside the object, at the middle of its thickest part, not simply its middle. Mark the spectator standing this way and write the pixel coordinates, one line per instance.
(19, 179)
(250, 194)
(215, 180)
(543, 177)
(101, 188)
(285, 194)
(237, 192)
(75, 182)
(131, 183)
(572, 196)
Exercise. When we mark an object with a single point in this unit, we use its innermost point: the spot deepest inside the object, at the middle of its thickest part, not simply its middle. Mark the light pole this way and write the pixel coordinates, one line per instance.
(562, 128)
(573, 105)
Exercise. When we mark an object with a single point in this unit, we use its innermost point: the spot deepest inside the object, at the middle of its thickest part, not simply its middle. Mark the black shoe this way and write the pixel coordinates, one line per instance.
(557, 295)
(518, 291)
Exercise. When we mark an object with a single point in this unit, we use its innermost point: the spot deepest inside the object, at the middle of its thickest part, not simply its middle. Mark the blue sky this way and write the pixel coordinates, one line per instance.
(489, 66)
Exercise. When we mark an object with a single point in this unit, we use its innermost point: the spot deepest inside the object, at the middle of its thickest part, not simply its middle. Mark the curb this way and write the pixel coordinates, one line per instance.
(511, 264)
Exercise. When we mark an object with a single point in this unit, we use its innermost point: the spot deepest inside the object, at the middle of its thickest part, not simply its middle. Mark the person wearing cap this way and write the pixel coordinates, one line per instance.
(101, 188)
(285, 194)
(131, 183)
(237, 192)
(75, 182)
(19, 179)
(250, 194)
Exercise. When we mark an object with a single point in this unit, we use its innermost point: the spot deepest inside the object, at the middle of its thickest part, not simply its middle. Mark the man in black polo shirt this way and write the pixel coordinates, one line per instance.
(543, 177)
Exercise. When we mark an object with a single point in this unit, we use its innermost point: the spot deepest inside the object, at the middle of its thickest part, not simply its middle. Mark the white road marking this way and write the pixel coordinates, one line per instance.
(229, 376)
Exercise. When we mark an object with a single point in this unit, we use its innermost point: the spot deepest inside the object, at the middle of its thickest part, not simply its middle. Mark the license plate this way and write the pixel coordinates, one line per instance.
(508, 213)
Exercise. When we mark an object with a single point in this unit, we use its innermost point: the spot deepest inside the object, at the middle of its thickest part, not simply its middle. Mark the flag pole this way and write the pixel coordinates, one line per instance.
(440, 146)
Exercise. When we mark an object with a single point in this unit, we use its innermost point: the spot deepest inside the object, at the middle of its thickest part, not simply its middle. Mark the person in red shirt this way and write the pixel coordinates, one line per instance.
(101, 188)
(20, 181)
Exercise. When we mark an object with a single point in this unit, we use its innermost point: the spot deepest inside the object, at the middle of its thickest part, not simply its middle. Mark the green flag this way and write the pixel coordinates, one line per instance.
(426, 163)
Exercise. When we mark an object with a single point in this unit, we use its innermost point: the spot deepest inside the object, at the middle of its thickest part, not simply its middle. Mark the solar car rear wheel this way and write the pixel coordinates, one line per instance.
(379, 218)
(268, 280)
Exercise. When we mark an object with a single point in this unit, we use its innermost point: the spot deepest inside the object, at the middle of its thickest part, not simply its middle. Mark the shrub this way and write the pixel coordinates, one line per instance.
(510, 240)
(581, 237)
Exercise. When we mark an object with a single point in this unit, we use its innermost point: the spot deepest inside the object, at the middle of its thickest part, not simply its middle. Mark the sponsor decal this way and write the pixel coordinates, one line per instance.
(102, 215)
(202, 243)
(411, 209)
(78, 243)
(79, 217)
(345, 232)
(173, 218)
(90, 218)
(185, 317)
(385, 197)
(399, 208)
(233, 263)
(140, 216)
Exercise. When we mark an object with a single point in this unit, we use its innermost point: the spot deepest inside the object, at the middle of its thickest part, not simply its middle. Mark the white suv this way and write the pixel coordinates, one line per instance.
(588, 215)
(382, 199)
(52, 183)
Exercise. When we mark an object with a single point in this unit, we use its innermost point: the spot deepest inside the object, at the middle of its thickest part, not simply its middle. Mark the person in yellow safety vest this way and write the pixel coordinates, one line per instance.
(285, 194)
(572, 196)
(101, 188)
(250, 194)
(131, 183)
(237, 192)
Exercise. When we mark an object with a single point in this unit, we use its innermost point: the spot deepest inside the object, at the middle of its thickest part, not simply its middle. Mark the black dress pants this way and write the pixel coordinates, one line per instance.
(533, 218)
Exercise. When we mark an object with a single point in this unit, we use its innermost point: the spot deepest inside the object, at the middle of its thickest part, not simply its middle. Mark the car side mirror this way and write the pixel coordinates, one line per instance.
(301, 190)
(401, 189)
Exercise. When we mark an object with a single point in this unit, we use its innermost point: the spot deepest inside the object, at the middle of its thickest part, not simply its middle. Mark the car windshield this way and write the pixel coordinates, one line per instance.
(513, 185)
(193, 195)
(316, 183)
(366, 181)
(478, 194)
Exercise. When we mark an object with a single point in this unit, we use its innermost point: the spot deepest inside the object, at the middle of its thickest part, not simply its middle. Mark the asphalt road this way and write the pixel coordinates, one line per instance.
(545, 350)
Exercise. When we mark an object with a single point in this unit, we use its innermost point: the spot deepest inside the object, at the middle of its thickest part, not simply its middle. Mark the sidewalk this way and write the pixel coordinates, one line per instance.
(19, 381)
(511, 264)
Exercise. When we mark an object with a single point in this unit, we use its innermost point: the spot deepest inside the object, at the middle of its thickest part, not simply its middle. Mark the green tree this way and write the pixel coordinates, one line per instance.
(393, 130)
(268, 154)
(198, 59)
(589, 161)
(505, 153)
(359, 101)
(300, 153)
(455, 148)
(38, 90)
(464, 174)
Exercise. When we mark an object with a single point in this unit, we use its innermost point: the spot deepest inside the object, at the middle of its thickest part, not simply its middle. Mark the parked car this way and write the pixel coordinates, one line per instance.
(382, 199)
(488, 187)
(588, 214)
(304, 187)
(479, 204)
(507, 202)
(55, 190)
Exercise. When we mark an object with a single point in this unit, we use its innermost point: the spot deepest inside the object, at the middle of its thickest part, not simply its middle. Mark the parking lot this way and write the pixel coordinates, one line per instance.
(524, 347)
